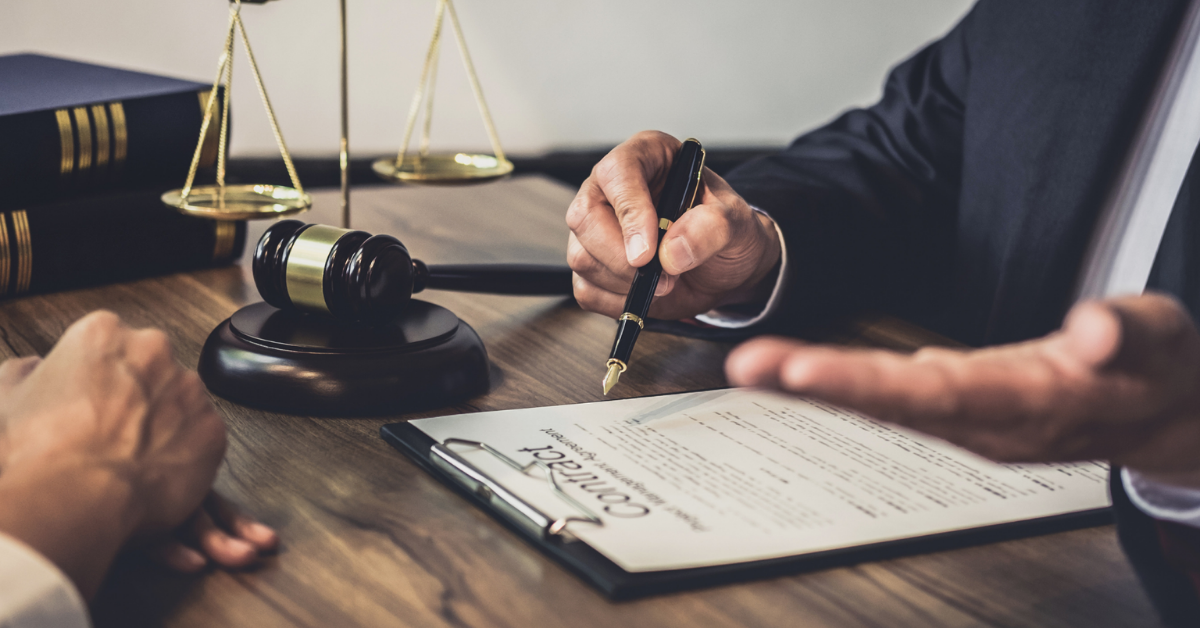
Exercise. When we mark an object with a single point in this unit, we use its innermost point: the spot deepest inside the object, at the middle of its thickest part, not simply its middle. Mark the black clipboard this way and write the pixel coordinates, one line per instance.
(617, 584)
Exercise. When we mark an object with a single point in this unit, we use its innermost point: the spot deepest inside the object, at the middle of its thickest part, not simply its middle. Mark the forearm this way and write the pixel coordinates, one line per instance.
(76, 516)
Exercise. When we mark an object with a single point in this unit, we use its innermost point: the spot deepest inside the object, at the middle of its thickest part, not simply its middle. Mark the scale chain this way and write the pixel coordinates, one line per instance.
(427, 82)
(226, 58)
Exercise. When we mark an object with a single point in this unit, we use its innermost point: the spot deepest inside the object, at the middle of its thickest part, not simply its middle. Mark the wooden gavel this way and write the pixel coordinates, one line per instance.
(359, 278)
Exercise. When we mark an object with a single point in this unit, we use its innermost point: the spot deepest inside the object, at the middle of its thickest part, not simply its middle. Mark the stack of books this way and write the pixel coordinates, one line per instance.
(85, 153)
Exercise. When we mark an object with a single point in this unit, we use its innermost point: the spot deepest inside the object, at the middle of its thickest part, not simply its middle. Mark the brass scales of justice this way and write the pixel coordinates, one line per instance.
(337, 333)
(258, 201)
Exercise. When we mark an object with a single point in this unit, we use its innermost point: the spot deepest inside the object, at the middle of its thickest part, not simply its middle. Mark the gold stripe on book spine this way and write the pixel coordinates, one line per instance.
(208, 153)
(5, 256)
(120, 133)
(100, 116)
(24, 251)
(67, 137)
(225, 232)
(85, 138)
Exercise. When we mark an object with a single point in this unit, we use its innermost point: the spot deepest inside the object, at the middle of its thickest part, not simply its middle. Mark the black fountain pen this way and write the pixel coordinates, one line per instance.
(678, 195)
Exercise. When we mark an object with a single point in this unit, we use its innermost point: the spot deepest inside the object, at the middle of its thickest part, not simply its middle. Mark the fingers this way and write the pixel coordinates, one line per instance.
(594, 298)
(176, 556)
(877, 383)
(149, 354)
(14, 371)
(936, 390)
(611, 273)
(260, 536)
(221, 534)
(614, 209)
(1091, 334)
(695, 238)
(625, 176)
(224, 549)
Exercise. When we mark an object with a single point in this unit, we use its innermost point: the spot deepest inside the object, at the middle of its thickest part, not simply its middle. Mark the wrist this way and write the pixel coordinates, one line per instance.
(761, 283)
(76, 515)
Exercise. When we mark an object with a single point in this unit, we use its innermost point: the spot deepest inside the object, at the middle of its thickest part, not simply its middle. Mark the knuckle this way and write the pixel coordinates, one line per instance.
(155, 342)
(586, 295)
(190, 381)
(655, 137)
(101, 323)
(624, 201)
(578, 258)
(578, 210)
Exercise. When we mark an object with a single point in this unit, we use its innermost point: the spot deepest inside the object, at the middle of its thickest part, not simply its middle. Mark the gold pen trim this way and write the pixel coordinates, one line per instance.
(67, 138)
(84, 128)
(665, 223)
(632, 317)
(100, 117)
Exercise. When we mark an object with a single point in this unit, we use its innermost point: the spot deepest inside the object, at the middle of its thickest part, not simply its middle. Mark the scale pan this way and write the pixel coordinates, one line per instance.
(239, 202)
(444, 169)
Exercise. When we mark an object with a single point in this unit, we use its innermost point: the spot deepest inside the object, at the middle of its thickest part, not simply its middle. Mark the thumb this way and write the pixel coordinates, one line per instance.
(639, 224)
(1092, 333)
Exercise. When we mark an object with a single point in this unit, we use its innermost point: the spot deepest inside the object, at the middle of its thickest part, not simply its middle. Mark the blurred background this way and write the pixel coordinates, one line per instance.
(565, 80)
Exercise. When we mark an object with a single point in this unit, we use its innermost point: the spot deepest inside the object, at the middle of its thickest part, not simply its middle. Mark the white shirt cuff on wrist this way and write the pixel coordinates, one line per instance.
(1168, 502)
(730, 319)
(34, 593)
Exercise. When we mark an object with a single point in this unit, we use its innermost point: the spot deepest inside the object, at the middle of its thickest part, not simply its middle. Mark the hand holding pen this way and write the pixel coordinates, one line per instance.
(678, 195)
(720, 252)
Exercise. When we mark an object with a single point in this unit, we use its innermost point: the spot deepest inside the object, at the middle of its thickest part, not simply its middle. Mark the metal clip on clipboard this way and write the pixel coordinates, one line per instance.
(500, 499)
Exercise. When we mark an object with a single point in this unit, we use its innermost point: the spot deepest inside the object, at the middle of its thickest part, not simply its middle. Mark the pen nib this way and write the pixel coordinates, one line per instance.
(610, 378)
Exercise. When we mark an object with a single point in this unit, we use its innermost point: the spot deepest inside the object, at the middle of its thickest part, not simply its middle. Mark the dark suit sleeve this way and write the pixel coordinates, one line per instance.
(867, 203)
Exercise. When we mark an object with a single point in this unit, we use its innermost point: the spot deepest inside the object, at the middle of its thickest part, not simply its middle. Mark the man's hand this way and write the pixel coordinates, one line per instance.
(1120, 381)
(720, 252)
(109, 438)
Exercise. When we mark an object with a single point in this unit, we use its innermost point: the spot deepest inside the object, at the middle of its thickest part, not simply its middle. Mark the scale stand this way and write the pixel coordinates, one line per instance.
(292, 362)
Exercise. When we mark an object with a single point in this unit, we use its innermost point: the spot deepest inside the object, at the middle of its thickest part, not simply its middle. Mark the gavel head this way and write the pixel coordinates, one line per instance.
(350, 276)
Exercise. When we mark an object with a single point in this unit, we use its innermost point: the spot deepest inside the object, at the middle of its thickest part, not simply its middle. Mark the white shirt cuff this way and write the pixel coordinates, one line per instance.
(34, 593)
(1168, 502)
(729, 319)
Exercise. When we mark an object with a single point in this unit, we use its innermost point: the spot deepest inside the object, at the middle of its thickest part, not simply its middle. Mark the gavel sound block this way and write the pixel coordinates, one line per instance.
(339, 333)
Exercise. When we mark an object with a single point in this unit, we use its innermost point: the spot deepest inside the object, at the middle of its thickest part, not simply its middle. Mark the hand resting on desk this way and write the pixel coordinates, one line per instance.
(107, 440)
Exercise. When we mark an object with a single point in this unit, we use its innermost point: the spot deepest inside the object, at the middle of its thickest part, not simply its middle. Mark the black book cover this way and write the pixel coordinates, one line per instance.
(107, 238)
(69, 128)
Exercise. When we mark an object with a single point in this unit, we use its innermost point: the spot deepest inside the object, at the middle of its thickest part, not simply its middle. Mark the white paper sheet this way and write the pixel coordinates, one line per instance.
(730, 476)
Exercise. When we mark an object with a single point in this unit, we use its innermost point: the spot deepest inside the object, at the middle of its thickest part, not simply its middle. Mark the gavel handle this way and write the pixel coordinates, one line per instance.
(526, 279)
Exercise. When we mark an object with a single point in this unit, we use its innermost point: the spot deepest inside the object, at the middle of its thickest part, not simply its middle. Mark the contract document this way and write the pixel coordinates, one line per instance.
(730, 476)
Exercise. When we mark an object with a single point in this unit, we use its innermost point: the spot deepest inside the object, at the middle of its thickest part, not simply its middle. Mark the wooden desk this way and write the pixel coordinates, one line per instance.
(370, 540)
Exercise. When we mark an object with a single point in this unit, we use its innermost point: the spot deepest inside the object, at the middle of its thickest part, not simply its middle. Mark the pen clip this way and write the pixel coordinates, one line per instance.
(699, 174)
(513, 508)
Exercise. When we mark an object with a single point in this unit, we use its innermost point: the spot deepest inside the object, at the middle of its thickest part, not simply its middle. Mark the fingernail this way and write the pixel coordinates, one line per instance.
(681, 253)
(664, 285)
(262, 535)
(635, 246)
(243, 548)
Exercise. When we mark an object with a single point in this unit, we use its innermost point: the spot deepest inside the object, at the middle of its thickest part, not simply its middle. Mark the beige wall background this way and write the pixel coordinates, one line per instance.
(558, 74)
